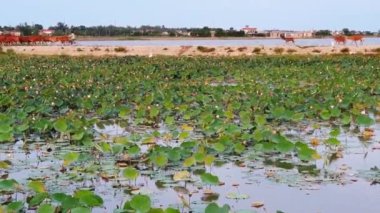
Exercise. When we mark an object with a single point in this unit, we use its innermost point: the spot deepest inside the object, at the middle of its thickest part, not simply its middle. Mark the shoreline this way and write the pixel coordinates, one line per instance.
(151, 51)
(168, 38)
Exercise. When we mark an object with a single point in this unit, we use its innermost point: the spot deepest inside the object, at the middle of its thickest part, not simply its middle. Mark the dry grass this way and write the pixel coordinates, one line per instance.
(290, 51)
(376, 50)
(184, 49)
(205, 49)
(345, 50)
(279, 50)
(11, 51)
(256, 50)
(242, 49)
(120, 50)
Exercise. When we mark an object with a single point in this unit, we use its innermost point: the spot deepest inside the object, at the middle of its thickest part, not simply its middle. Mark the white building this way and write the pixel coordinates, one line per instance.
(287, 33)
(249, 30)
(12, 33)
(46, 32)
(183, 33)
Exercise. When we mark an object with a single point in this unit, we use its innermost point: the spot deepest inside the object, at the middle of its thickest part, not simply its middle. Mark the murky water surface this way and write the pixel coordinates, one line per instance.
(344, 183)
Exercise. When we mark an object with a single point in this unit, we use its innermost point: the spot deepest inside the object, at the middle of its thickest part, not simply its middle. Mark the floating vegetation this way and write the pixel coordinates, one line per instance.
(183, 134)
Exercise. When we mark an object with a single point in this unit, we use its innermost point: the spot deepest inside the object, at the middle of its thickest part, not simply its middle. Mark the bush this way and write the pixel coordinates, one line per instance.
(97, 49)
(1, 49)
(279, 50)
(120, 50)
(316, 51)
(79, 49)
(242, 49)
(205, 49)
(165, 48)
(256, 50)
(376, 50)
(290, 51)
(345, 50)
(11, 51)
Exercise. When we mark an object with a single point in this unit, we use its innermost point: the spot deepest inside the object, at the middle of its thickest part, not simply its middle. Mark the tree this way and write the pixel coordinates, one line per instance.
(25, 29)
(60, 29)
(38, 26)
(219, 32)
(203, 32)
(322, 33)
(346, 31)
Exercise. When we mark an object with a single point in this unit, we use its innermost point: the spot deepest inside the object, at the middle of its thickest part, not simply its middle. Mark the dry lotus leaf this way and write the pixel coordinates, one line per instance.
(208, 191)
(314, 142)
(257, 204)
(183, 175)
(367, 135)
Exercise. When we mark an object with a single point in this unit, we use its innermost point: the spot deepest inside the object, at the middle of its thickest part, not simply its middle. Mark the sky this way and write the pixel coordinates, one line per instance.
(263, 14)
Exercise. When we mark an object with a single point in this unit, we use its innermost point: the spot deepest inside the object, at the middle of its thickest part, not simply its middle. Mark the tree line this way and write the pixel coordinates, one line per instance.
(63, 29)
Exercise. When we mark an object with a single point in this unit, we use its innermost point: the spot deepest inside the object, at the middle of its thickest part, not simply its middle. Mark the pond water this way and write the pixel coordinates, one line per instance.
(219, 42)
(282, 183)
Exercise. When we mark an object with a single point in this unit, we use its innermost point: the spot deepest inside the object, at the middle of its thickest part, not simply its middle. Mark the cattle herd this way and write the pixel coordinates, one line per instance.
(341, 39)
(36, 39)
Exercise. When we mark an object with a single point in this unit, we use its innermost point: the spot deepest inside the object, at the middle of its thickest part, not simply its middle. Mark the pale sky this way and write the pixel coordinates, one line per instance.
(264, 14)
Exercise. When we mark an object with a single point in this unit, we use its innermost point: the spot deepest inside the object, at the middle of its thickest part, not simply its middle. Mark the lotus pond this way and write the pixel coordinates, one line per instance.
(166, 134)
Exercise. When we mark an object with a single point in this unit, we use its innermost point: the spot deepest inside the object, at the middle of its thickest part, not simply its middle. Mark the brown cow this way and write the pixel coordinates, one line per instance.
(64, 39)
(2, 39)
(49, 39)
(30, 40)
(287, 39)
(339, 39)
(356, 38)
(10, 40)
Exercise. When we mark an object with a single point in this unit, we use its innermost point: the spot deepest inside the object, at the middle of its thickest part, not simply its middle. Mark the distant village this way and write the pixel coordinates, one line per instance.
(162, 31)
